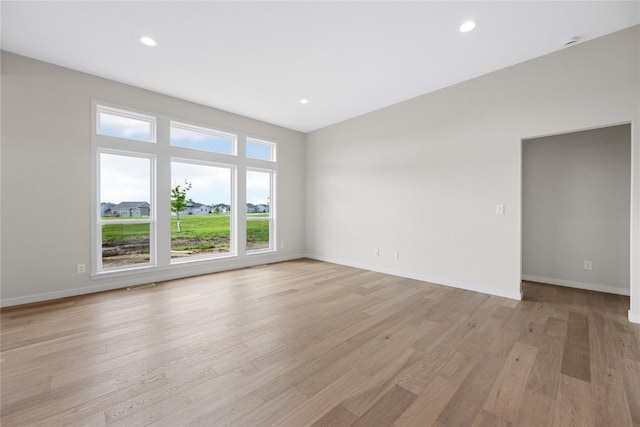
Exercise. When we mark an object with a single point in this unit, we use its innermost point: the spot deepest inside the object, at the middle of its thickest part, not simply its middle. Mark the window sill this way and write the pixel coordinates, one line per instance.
(261, 251)
(105, 274)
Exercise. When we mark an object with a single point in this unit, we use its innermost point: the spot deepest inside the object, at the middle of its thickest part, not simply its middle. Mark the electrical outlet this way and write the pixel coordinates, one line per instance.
(81, 268)
(376, 252)
(396, 255)
(499, 209)
(281, 245)
(588, 265)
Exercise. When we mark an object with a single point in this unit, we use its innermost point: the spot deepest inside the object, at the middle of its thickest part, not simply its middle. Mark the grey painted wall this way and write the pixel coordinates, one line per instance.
(423, 177)
(46, 164)
(576, 208)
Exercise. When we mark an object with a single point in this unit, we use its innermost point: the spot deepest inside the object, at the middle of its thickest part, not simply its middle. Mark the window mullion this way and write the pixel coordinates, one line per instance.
(162, 193)
(241, 197)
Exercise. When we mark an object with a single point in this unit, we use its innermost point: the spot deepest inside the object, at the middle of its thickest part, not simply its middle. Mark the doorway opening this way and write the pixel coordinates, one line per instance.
(576, 209)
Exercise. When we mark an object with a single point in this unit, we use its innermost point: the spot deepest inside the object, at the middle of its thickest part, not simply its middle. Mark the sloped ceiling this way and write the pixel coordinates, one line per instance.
(259, 59)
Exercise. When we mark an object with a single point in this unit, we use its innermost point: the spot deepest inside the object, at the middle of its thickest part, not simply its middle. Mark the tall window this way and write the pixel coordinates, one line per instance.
(125, 210)
(201, 226)
(259, 218)
(166, 192)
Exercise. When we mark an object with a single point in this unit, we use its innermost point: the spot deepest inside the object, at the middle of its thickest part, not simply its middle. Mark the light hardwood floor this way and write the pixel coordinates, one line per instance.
(311, 343)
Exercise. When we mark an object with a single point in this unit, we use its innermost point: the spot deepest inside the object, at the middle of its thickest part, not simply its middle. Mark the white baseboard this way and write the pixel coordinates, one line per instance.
(517, 295)
(578, 285)
(29, 299)
(634, 317)
(157, 276)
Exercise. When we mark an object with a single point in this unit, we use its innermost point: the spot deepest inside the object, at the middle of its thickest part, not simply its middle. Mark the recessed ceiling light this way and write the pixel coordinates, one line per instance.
(467, 26)
(148, 41)
(304, 101)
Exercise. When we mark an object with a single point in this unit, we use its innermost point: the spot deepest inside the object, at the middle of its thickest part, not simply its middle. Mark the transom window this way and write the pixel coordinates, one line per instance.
(261, 150)
(203, 139)
(125, 124)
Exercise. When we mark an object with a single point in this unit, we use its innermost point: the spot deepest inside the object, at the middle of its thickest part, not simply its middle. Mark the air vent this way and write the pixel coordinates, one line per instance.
(571, 41)
(145, 285)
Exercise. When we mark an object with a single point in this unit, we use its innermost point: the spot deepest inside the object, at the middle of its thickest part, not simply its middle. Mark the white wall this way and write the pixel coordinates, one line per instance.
(423, 177)
(46, 171)
(576, 208)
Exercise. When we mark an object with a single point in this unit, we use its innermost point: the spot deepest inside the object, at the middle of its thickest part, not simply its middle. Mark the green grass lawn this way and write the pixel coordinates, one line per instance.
(257, 232)
(124, 233)
(201, 226)
(195, 227)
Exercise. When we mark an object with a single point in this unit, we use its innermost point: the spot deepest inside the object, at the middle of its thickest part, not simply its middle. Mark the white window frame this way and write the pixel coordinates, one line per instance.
(233, 241)
(151, 220)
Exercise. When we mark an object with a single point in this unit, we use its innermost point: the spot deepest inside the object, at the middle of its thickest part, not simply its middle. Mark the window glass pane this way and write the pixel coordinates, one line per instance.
(257, 235)
(258, 192)
(259, 149)
(258, 209)
(200, 220)
(125, 194)
(125, 186)
(201, 139)
(125, 244)
(110, 124)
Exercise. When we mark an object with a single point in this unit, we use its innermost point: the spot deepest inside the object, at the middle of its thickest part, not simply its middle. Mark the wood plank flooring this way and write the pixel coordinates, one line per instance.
(307, 343)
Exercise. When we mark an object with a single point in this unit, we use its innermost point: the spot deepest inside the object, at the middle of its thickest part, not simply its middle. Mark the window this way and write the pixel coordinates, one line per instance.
(199, 138)
(125, 210)
(165, 192)
(201, 225)
(125, 124)
(261, 150)
(259, 212)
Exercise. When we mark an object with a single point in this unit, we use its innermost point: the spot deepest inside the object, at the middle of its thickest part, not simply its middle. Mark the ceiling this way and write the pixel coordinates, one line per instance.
(258, 59)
